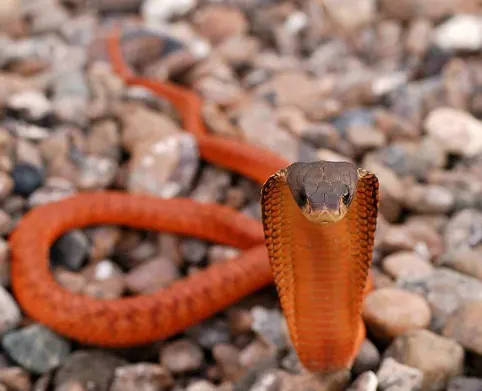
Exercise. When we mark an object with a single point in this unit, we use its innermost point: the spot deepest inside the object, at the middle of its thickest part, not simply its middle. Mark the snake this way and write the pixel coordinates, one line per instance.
(314, 243)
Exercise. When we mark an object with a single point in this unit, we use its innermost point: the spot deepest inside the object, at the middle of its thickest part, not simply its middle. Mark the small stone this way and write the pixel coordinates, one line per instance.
(464, 326)
(419, 37)
(438, 358)
(27, 178)
(460, 33)
(4, 263)
(462, 383)
(194, 250)
(6, 185)
(445, 290)
(219, 22)
(210, 333)
(201, 385)
(312, 381)
(15, 378)
(255, 352)
(367, 381)
(463, 230)
(240, 320)
(352, 15)
(104, 280)
(104, 139)
(465, 261)
(227, 359)
(10, 315)
(6, 223)
(268, 381)
(165, 168)
(31, 105)
(268, 324)
(71, 250)
(390, 312)
(365, 138)
(160, 11)
(151, 276)
(408, 9)
(406, 264)
(391, 189)
(36, 348)
(393, 376)
(96, 173)
(221, 92)
(182, 356)
(103, 239)
(429, 199)
(457, 131)
(74, 282)
(212, 185)
(141, 376)
(367, 359)
(89, 370)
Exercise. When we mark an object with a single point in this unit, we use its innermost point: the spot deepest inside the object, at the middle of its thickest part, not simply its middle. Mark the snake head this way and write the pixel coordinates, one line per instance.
(323, 190)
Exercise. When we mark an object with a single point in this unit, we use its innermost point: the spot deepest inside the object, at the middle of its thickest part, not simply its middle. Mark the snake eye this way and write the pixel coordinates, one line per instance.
(346, 197)
(302, 199)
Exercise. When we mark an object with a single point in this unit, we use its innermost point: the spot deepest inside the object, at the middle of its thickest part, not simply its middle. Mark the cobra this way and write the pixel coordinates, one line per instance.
(315, 243)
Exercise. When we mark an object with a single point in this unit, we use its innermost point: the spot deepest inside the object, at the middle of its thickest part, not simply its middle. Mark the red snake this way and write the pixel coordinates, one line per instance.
(326, 337)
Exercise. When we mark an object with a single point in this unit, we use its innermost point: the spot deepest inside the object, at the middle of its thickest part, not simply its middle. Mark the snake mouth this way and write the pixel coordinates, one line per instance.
(324, 215)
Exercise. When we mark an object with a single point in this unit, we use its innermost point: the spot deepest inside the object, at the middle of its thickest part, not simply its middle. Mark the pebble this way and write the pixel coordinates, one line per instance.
(460, 33)
(406, 264)
(165, 168)
(408, 9)
(210, 333)
(219, 22)
(88, 369)
(268, 381)
(367, 381)
(367, 359)
(227, 359)
(463, 383)
(6, 223)
(151, 276)
(27, 178)
(104, 139)
(201, 385)
(255, 352)
(181, 356)
(465, 261)
(103, 241)
(141, 376)
(464, 326)
(6, 185)
(212, 185)
(438, 358)
(463, 230)
(429, 199)
(15, 379)
(160, 11)
(105, 280)
(4, 263)
(30, 105)
(71, 250)
(36, 348)
(390, 312)
(393, 376)
(10, 315)
(445, 290)
(269, 325)
(351, 15)
(457, 131)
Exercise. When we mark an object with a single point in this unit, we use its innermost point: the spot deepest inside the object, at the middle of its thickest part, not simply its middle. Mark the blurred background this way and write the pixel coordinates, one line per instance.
(394, 86)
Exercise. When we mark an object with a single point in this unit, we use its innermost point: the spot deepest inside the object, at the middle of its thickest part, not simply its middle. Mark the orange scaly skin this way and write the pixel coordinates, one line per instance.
(141, 319)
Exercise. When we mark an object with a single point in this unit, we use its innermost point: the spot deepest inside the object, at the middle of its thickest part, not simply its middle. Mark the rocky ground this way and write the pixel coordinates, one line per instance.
(393, 85)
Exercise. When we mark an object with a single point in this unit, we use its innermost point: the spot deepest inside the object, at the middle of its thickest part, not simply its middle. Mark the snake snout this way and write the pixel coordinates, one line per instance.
(324, 207)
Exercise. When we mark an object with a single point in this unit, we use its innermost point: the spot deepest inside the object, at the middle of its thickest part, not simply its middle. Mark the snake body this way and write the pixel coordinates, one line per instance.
(320, 270)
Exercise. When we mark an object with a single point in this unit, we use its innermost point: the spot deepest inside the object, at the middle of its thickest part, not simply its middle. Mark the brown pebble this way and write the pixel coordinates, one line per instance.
(390, 312)
(151, 275)
(141, 376)
(181, 356)
(227, 358)
(465, 326)
(15, 379)
(406, 264)
(439, 358)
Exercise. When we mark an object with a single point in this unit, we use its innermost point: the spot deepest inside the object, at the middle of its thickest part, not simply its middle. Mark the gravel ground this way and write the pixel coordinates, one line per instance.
(393, 85)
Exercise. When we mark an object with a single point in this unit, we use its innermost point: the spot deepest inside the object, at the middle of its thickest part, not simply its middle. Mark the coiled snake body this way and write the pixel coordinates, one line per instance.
(315, 243)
